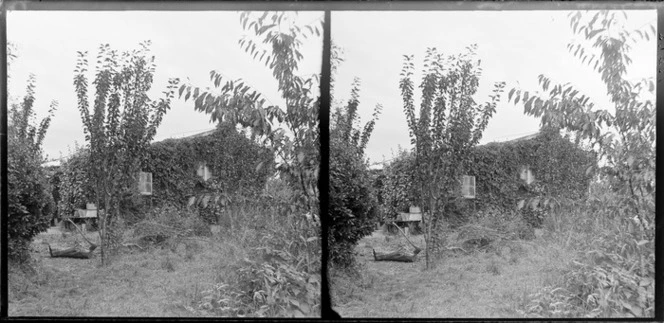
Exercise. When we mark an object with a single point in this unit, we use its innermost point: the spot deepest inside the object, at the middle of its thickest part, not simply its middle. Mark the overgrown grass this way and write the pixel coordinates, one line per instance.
(612, 272)
(266, 264)
(496, 280)
(279, 277)
(588, 260)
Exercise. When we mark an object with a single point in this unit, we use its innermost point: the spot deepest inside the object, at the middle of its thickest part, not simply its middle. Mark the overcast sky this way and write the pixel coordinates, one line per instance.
(514, 46)
(186, 45)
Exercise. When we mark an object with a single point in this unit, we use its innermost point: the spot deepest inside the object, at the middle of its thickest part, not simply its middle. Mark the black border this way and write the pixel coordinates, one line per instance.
(327, 312)
(3, 161)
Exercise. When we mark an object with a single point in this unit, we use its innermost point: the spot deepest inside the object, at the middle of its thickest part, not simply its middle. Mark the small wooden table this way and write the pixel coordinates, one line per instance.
(408, 220)
(86, 216)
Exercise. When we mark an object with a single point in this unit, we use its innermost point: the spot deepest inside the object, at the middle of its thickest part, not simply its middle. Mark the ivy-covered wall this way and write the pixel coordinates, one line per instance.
(557, 164)
(231, 157)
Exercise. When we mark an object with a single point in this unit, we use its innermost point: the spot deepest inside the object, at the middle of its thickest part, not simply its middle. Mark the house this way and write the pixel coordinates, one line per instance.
(544, 163)
(218, 160)
(499, 174)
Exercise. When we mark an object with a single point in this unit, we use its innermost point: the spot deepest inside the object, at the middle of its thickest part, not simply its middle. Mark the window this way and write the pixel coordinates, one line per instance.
(204, 171)
(526, 174)
(145, 183)
(468, 187)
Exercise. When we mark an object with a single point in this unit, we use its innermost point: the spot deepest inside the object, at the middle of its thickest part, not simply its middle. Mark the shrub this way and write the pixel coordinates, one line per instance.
(75, 188)
(28, 190)
(351, 202)
(281, 277)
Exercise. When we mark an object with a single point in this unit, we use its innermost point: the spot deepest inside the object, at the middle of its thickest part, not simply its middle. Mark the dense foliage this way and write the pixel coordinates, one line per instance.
(398, 188)
(75, 188)
(28, 191)
(297, 144)
(352, 201)
(559, 167)
(624, 134)
(230, 156)
(287, 284)
(174, 164)
(449, 124)
(615, 278)
(122, 123)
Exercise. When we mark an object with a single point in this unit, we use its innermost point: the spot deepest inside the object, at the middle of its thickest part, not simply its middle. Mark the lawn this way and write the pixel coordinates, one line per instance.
(494, 282)
(154, 282)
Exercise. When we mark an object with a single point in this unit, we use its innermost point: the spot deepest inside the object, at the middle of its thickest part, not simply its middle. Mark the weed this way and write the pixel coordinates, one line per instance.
(168, 264)
(613, 273)
(493, 268)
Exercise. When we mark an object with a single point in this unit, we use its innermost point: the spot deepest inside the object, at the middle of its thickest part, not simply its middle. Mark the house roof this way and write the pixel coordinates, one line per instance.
(527, 137)
(522, 138)
(186, 135)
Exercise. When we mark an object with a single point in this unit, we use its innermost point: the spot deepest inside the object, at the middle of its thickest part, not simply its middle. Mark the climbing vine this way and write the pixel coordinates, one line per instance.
(174, 164)
(559, 167)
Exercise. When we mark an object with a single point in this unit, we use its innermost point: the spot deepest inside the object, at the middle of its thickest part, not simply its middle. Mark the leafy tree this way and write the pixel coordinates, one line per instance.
(123, 122)
(297, 146)
(449, 124)
(352, 205)
(399, 189)
(623, 134)
(27, 187)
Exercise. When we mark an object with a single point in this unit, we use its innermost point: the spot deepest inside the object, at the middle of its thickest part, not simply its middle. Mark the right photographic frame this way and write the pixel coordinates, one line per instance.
(493, 163)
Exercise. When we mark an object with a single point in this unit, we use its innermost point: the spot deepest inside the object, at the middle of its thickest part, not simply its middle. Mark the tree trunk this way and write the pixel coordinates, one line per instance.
(396, 256)
(72, 252)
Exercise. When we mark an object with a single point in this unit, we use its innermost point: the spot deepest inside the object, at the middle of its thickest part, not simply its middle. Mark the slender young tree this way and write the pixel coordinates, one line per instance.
(120, 127)
(297, 146)
(450, 123)
(623, 134)
(352, 202)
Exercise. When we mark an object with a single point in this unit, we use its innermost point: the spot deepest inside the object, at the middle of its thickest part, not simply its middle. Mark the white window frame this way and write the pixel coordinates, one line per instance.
(526, 174)
(468, 186)
(204, 171)
(145, 183)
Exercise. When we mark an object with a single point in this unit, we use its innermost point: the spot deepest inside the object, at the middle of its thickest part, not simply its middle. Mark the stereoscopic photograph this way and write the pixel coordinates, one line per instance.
(485, 160)
(492, 164)
(163, 163)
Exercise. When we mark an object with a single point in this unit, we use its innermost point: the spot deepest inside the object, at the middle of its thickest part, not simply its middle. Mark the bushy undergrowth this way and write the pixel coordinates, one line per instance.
(281, 277)
(613, 273)
(170, 221)
(29, 200)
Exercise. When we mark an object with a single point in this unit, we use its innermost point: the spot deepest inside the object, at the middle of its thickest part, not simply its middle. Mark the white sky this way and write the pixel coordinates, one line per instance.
(186, 45)
(514, 46)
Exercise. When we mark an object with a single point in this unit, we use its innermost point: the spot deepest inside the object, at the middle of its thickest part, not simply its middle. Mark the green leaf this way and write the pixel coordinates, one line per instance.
(510, 94)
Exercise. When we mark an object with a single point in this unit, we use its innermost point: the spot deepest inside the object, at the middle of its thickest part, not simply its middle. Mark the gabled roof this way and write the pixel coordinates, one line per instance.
(527, 137)
(522, 138)
(195, 135)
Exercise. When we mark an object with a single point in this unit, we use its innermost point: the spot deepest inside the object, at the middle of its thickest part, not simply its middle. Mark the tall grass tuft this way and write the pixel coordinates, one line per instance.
(280, 277)
(613, 272)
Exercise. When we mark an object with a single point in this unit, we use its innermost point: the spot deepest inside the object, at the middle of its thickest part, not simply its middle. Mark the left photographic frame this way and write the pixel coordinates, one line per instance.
(163, 161)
